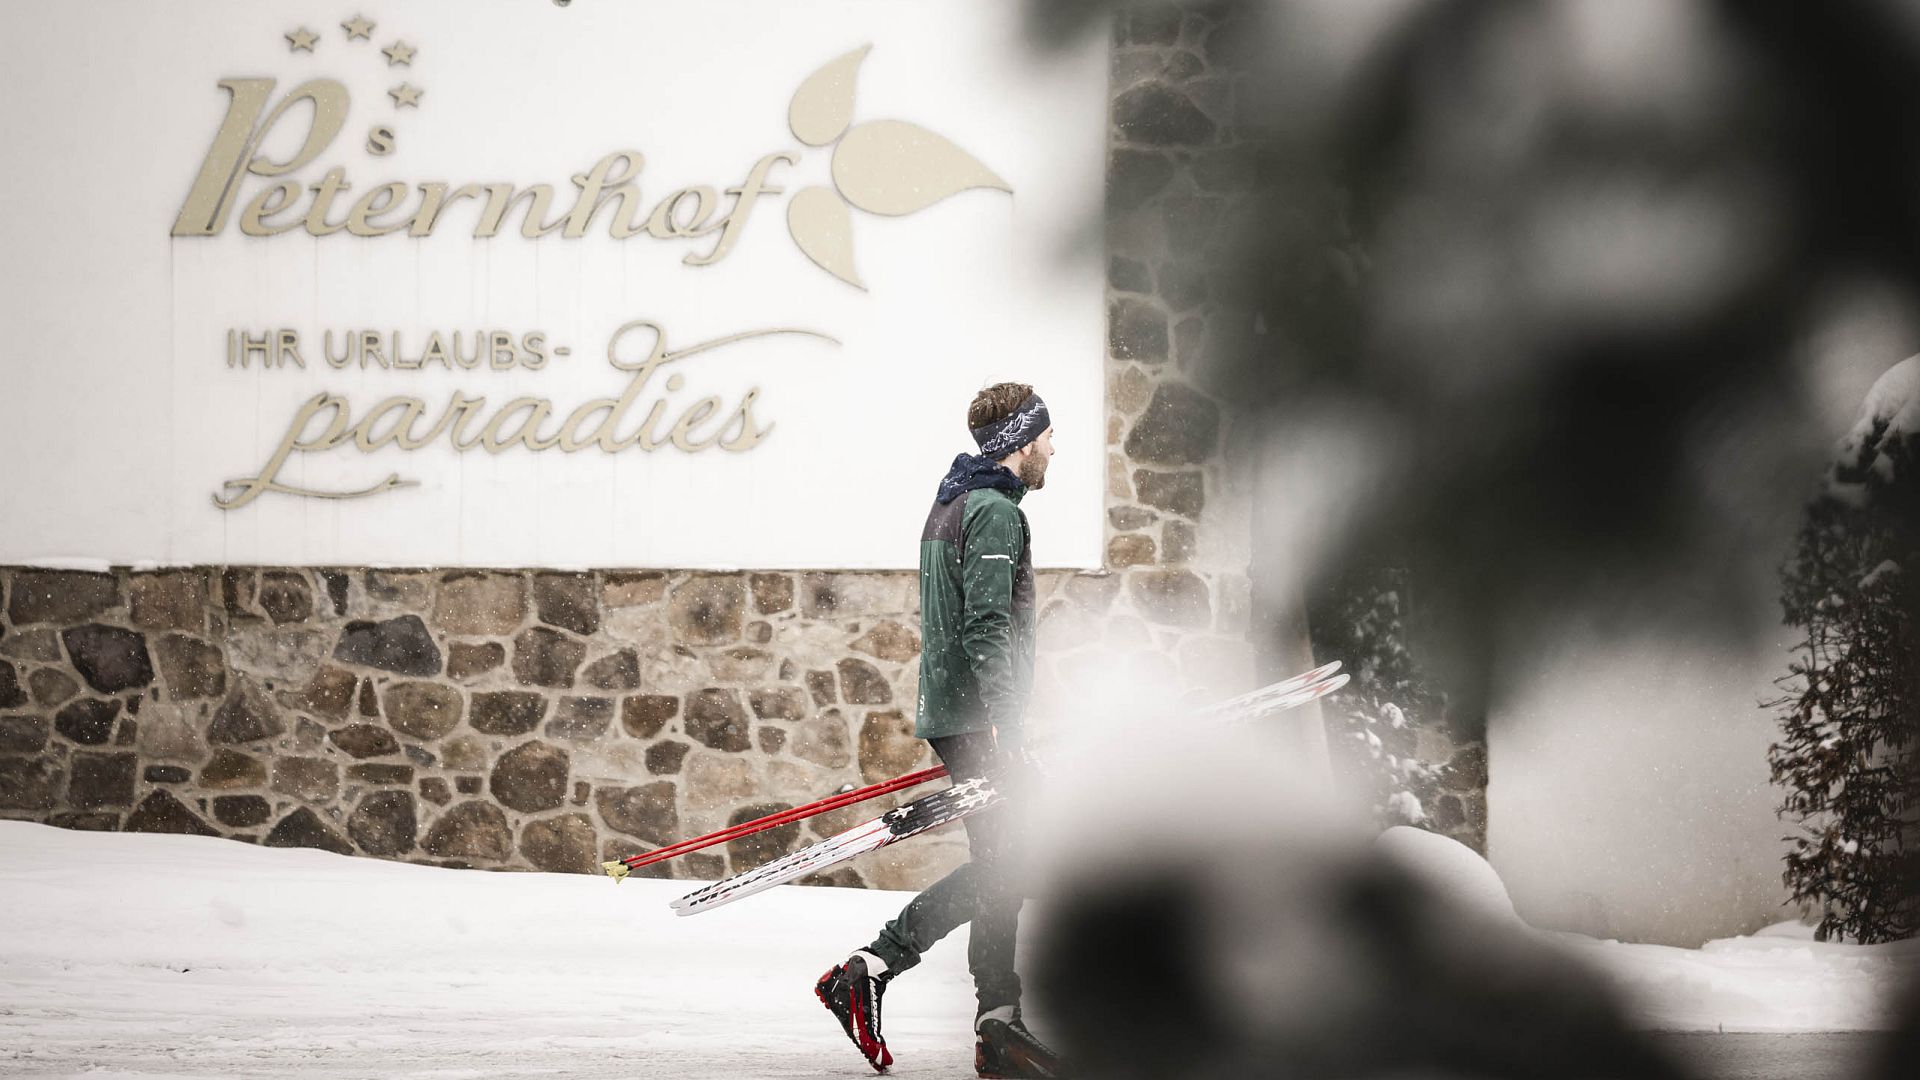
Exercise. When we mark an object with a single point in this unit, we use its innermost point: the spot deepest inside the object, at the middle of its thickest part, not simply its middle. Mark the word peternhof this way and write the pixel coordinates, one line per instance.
(387, 208)
(327, 421)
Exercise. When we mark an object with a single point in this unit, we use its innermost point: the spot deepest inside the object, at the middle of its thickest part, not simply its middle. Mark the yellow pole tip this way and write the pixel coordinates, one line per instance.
(616, 870)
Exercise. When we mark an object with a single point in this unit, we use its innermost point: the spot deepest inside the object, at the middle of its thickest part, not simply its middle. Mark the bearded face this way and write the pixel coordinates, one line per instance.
(1033, 471)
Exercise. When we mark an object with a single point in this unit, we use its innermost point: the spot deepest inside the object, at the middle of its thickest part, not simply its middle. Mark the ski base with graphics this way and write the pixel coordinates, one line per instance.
(967, 797)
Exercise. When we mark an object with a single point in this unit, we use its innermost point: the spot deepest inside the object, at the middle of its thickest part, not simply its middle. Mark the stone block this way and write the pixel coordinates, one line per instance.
(643, 715)
(821, 685)
(401, 645)
(22, 734)
(304, 829)
(772, 593)
(853, 594)
(1179, 427)
(823, 740)
(160, 812)
(1181, 493)
(890, 640)
(247, 715)
(648, 811)
(315, 780)
(434, 789)
(480, 603)
(568, 601)
(229, 769)
(716, 780)
(887, 746)
(170, 600)
(779, 703)
(289, 654)
(365, 740)
(172, 732)
(37, 646)
(544, 657)
(466, 660)
(99, 780)
(617, 671)
(88, 721)
(581, 719)
(561, 845)
(286, 596)
(1136, 330)
(633, 590)
(1130, 549)
(52, 687)
(337, 585)
(329, 693)
(1177, 542)
(422, 710)
(1155, 114)
(1134, 176)
(862, 684)
(384, 823)
(29, 783)
(61, 597)
(192, 668)
(707, 609)
(472, 830)
(241, 811)
(109, 658)
(715, 718)
(507, 712)
(530, 777)
(665, 758)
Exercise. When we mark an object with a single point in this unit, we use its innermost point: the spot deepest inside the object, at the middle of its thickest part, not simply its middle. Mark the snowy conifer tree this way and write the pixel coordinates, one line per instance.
(1846, 754)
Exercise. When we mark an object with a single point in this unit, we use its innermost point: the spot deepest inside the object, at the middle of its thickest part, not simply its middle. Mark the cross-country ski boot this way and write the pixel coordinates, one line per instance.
(1006, 1050)
(853, 995)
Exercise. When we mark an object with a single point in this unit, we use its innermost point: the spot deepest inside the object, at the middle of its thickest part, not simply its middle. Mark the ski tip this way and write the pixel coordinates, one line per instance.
(616, 870)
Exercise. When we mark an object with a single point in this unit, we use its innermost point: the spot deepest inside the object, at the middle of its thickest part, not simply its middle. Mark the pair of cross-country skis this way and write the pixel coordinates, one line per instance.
(927, 812)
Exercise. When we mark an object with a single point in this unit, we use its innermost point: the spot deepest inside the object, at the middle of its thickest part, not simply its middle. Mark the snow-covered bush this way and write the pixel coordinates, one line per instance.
(1846, 753)
(1372, 725)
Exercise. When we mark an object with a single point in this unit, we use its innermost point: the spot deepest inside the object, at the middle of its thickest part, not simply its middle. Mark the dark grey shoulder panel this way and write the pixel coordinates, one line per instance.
(1023, 590)
(943, 521)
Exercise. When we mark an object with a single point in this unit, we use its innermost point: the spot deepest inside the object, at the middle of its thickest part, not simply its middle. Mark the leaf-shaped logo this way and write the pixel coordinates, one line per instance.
(893, 167)
(823, 106)
(821, 225)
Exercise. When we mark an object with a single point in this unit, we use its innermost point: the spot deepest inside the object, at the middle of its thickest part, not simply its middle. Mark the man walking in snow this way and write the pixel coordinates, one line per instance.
(976, 667)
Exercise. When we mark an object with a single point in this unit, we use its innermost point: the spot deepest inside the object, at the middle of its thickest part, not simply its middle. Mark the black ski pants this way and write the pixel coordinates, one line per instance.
(978, 892)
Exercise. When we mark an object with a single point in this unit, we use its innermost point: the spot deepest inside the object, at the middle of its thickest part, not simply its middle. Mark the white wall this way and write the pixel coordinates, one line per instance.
(124, 418)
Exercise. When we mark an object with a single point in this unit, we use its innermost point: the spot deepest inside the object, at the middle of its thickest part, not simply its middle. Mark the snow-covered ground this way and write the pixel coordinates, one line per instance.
(159, 956)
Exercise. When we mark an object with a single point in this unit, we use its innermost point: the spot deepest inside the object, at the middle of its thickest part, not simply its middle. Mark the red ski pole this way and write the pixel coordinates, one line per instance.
(619, 868)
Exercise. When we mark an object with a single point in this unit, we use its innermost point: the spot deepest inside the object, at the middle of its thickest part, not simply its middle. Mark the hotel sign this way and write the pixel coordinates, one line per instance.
(384, 257)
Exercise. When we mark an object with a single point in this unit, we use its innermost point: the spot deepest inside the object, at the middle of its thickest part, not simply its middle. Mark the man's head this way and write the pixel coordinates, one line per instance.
(1010, 424)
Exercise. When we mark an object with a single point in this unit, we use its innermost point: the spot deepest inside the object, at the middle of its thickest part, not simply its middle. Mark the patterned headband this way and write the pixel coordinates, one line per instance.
(1004, 436)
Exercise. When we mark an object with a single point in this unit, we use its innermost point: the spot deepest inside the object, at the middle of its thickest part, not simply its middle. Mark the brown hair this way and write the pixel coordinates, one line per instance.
(996, 402)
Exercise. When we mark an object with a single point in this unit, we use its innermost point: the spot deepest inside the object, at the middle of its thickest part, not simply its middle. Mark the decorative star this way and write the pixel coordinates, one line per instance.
(358, 27)
(406, 94)
(301, 40)
(399, 53)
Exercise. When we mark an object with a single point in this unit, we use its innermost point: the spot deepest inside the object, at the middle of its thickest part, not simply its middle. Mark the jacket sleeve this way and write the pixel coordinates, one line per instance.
(990, 550)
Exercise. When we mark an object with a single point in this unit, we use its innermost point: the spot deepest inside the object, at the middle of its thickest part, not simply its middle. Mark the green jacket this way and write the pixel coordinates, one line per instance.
(976, 616)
